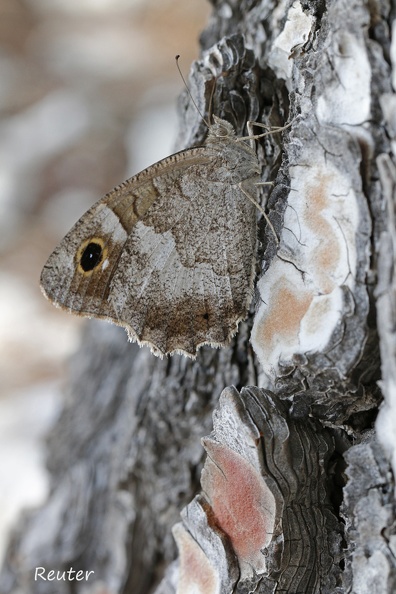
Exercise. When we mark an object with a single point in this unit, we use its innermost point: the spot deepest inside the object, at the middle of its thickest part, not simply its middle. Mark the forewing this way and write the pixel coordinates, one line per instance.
(178, 257)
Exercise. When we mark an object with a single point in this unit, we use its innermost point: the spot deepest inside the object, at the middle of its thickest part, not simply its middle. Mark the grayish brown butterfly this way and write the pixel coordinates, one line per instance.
(170, 253)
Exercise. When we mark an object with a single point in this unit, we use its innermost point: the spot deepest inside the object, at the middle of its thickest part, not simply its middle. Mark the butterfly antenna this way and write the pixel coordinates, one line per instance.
(189, 92)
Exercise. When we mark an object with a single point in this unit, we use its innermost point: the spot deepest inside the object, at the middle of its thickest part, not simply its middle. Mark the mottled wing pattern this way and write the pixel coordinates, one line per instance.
(176, 247)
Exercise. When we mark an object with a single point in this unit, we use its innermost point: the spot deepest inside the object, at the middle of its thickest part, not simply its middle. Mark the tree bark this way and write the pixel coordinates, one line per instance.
(296, 492)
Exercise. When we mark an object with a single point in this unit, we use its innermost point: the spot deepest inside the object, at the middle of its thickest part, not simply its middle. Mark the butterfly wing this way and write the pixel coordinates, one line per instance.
(168, 254)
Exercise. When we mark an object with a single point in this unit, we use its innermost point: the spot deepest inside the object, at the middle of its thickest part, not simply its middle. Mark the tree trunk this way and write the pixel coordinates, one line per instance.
(296, 492)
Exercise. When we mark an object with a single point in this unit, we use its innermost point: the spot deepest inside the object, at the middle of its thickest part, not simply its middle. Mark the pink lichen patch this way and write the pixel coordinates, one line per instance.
(196, 573)
(282, 319)
(326, 257)
(302, 291)
(243, 505)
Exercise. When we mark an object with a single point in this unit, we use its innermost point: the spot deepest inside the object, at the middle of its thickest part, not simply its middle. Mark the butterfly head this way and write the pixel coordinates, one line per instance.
(221, 129)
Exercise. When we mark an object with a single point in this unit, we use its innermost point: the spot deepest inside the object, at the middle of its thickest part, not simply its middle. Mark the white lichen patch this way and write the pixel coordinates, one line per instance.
(302, 293)
(197, 575)
(345, 100)
(320, 224)
(295, 33)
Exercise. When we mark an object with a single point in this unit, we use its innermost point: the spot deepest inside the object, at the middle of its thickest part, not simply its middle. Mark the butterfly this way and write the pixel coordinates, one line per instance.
(170, 253)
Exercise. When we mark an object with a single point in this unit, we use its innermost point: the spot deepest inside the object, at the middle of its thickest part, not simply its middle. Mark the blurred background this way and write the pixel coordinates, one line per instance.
(87, 98)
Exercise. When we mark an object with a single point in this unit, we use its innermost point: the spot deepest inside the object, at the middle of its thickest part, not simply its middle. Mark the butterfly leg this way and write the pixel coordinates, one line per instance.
(257, 205)
(252, 137)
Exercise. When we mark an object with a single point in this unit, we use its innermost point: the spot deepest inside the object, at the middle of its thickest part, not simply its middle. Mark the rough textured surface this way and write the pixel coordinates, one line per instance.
(386, 257)
(311, 323)
(108, 496)
(126, 454)
(369, 513)
(265, 487)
